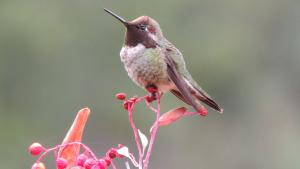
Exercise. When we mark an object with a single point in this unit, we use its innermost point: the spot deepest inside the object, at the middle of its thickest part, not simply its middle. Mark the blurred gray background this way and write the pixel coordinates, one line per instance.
(57, 56)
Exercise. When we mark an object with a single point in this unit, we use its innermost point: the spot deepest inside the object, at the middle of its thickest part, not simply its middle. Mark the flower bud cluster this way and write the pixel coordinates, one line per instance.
(88, 160)
(83, 161)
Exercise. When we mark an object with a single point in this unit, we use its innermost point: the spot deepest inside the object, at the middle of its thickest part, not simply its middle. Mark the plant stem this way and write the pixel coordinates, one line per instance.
(153, 133)
(65, 145)
(136, 136)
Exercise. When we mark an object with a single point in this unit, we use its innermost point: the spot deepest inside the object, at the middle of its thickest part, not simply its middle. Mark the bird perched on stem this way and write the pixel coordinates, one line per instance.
(155, 64)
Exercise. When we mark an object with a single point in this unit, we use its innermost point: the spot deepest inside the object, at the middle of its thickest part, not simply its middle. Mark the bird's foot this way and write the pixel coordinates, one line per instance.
(153, 95)
(153, 91)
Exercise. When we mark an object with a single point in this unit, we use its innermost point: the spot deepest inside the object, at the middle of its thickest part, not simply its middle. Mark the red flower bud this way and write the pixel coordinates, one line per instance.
(121, 96)
(95, 167)
(149, 99)
(89, 163)
(203, 111)
(38, 165)
(112, 153)
(61, 163)
(35, 149)
(127, 104)
(133, 99)
(108, 161)
(102, 164)
(81, 159)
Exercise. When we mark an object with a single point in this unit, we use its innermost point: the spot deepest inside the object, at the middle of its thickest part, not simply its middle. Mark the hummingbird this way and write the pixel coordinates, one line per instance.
(152, 62)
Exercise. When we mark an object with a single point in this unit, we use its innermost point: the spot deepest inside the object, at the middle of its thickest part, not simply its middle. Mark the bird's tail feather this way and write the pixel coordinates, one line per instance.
(208, 101)
(205, 100)
(201, 95)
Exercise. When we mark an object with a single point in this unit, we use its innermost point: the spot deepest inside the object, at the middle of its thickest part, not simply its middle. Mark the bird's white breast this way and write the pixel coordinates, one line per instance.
(145, 66)
(128, 53)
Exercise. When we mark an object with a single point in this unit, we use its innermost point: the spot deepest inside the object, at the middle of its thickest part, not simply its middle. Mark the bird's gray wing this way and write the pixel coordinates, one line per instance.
(184, 92)
(179, 96)
(191, 91)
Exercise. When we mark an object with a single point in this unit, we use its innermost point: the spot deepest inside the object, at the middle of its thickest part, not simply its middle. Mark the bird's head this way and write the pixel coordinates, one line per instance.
(142, 30)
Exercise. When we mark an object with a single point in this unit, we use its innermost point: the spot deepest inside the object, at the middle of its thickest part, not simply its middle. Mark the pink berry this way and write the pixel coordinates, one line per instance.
(203, 111)
(38, 165)
(61, 163)
(127, 104)
(96, 167)
(35, 149)
(149, 99)
(121, 96)
(102, 164)
(112, 153)
(89, 163)
(81, 159)
(134, 99)
(108, 161)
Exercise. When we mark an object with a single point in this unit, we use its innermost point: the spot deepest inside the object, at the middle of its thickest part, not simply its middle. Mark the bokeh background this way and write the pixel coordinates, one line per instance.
(57, 56)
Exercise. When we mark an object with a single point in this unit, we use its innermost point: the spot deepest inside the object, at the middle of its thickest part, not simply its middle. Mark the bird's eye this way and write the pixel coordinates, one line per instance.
(142, 27)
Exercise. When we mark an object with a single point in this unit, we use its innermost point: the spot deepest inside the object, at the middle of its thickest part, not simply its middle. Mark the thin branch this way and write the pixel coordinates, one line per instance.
(153, 133)
(136, 136)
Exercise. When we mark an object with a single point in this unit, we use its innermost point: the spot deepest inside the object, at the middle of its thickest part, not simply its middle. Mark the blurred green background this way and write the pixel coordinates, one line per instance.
(57, 56)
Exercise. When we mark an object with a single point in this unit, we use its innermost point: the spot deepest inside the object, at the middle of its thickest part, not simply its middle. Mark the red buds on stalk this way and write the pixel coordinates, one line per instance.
(121, 96)
(61, 163)
(81, 160)
(68, 153)
(102, 164)
(108, 161)
(112, 153)
(38, 165)
(35, 149)
(149, 99)
(203, 111)
(89, 163)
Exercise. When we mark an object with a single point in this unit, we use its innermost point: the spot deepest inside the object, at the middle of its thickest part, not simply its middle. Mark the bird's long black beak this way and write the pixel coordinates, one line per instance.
(123, 21)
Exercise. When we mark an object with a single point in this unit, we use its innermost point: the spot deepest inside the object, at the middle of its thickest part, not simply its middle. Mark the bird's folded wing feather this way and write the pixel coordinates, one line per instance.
(178, 80)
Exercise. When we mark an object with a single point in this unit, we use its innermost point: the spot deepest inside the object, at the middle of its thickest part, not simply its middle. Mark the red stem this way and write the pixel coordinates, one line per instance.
(152, 108)
(113, 165)
(65, 145)
(136, 136)
(153, 132)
